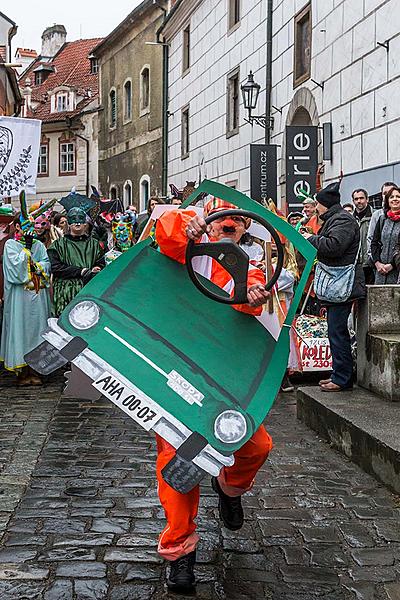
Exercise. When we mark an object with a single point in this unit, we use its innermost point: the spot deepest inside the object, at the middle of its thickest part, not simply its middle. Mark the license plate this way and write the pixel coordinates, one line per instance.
(140, 408)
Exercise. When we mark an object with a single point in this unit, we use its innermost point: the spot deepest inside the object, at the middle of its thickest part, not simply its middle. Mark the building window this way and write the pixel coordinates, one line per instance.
(62, 102)
(94, 66)
(127, 193)
(43, 161)
(185, 132)
(186, 50)
(144, 192)
(39, 78)
(113, 192)
(113, 108)
(128, 100)
(233, 13)
(145, 89)
(67, 158)
(302, 45)
(232, 103)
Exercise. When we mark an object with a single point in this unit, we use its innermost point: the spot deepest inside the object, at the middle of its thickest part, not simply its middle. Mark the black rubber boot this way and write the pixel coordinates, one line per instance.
(230, 508)
(181, 577)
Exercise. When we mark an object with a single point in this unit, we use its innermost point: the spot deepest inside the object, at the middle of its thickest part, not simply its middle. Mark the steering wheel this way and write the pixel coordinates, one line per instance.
(232, 258)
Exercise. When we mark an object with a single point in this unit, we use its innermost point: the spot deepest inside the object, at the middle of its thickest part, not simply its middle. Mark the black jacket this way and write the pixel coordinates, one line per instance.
(338, 243)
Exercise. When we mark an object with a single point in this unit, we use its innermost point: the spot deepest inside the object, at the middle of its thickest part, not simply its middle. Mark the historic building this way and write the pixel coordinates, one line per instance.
(24, 57)
(10, 97)
(130, 121)
(60, 88)
(337, 62)
(333, 62)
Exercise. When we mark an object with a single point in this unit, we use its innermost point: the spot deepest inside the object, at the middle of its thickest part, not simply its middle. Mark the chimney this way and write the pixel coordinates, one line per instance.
(52, 39)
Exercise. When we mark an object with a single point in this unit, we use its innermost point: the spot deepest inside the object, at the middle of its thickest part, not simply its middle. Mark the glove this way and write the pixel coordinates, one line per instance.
(28, 242)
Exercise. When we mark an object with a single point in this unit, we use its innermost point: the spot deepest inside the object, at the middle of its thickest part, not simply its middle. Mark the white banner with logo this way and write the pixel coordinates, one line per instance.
(19, 152)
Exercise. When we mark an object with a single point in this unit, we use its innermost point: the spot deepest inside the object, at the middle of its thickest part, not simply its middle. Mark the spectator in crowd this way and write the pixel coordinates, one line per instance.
(75, 259)
(60, 221)
(349, 207)
(46, 232)
(294, 217)
(362, 214)
(176, 201)
(388, 185)
(26, 269)
(385, 239)
(338, 244)
(311, 219)
(152, 202)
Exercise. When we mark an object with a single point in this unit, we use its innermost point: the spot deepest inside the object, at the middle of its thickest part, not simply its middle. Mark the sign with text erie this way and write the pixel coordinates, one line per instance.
(301, 162)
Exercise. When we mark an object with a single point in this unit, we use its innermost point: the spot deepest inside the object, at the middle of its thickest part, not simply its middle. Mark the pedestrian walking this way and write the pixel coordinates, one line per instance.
(338, 280)
(75, 259)
(362, 214)
(385, 239)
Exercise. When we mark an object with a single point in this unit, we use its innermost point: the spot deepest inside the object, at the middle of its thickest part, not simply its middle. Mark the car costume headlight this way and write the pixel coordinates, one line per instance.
(84, 315)
(230, 427)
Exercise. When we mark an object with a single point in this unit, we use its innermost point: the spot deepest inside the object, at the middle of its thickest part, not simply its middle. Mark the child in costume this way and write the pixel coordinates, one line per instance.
(177, 542)
(26, 270)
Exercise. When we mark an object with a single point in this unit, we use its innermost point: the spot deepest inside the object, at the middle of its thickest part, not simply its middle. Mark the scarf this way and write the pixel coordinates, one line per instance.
(393, 216)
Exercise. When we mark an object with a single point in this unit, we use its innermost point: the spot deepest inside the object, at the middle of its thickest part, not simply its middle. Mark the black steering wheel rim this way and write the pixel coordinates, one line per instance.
(228, 213)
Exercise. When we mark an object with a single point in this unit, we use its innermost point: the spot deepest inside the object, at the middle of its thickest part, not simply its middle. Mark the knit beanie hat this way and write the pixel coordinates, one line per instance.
(330, 195)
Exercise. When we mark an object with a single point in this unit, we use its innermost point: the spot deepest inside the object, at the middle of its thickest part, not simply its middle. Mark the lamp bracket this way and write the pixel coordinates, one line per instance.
(319, 84)
(261, 120)
(384, 44)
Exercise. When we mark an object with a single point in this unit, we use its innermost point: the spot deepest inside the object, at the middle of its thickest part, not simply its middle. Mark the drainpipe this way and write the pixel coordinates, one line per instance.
(68, 121)
(268, 81)
(87, 160)
(164, 159)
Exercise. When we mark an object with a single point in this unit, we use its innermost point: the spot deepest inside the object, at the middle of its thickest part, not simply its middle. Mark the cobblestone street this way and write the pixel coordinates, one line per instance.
(79, 513)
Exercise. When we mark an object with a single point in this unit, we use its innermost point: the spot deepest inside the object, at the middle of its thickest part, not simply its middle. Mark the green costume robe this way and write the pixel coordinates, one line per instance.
(25, 311)
(69, 256)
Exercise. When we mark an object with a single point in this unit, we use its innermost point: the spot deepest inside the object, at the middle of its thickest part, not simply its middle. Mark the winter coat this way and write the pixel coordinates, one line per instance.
(363, 223)
(338, 244)
(383, 247)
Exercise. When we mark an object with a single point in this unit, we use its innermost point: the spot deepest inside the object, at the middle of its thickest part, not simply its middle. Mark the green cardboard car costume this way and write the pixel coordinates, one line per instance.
(129, 337)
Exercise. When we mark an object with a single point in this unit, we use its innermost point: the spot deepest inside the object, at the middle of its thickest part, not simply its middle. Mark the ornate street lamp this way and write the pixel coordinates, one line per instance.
(250, 91)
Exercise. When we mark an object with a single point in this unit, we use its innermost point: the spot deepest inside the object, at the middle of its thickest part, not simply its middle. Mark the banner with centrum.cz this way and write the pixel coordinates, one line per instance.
(301, 163)
(263, 172)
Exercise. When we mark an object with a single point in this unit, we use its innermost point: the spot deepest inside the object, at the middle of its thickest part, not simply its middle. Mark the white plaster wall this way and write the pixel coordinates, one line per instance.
(213, 55)
(360, 96)
(361, 80)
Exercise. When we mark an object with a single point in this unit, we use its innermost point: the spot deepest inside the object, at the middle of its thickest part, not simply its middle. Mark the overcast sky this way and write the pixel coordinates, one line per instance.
(81, 18)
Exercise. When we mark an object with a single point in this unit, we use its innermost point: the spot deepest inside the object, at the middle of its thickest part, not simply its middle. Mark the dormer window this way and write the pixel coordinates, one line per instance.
(94, 65)
(62, 102)
(39, 78)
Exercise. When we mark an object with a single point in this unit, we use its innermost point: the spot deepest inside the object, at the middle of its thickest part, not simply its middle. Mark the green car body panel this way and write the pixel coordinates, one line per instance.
(148, 300)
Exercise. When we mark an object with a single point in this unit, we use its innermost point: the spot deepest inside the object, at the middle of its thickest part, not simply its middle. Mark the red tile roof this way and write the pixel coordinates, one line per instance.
(72, 69)
(25, 52)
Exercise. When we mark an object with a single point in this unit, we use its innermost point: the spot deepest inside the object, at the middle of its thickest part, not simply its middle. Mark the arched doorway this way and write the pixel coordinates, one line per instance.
(302, 111)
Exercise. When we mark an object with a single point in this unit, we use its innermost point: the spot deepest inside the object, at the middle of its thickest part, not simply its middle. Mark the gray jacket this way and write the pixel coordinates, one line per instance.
(372, 224)
(363, 258)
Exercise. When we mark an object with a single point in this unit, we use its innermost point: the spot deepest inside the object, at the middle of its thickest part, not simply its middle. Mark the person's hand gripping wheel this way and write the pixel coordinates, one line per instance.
(226, 227)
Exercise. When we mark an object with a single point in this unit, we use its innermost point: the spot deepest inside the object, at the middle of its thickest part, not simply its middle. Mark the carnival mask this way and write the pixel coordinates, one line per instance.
(122, 231)
(27, 219)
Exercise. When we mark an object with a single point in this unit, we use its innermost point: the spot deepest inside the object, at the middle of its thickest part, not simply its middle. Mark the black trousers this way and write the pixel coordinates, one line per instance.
(339, 339)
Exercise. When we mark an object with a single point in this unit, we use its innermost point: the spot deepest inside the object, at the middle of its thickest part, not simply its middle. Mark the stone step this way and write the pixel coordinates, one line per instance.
(378, 365)
(359, 424)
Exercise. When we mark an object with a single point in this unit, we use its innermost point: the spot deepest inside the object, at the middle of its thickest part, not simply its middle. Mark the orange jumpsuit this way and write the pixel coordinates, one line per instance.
(179, 537)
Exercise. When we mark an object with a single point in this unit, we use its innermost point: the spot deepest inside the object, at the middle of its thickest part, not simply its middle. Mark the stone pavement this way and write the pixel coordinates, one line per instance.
(79, 514)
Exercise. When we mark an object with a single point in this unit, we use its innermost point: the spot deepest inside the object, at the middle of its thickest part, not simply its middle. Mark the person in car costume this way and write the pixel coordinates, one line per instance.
(75, 259)
(178, 540)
